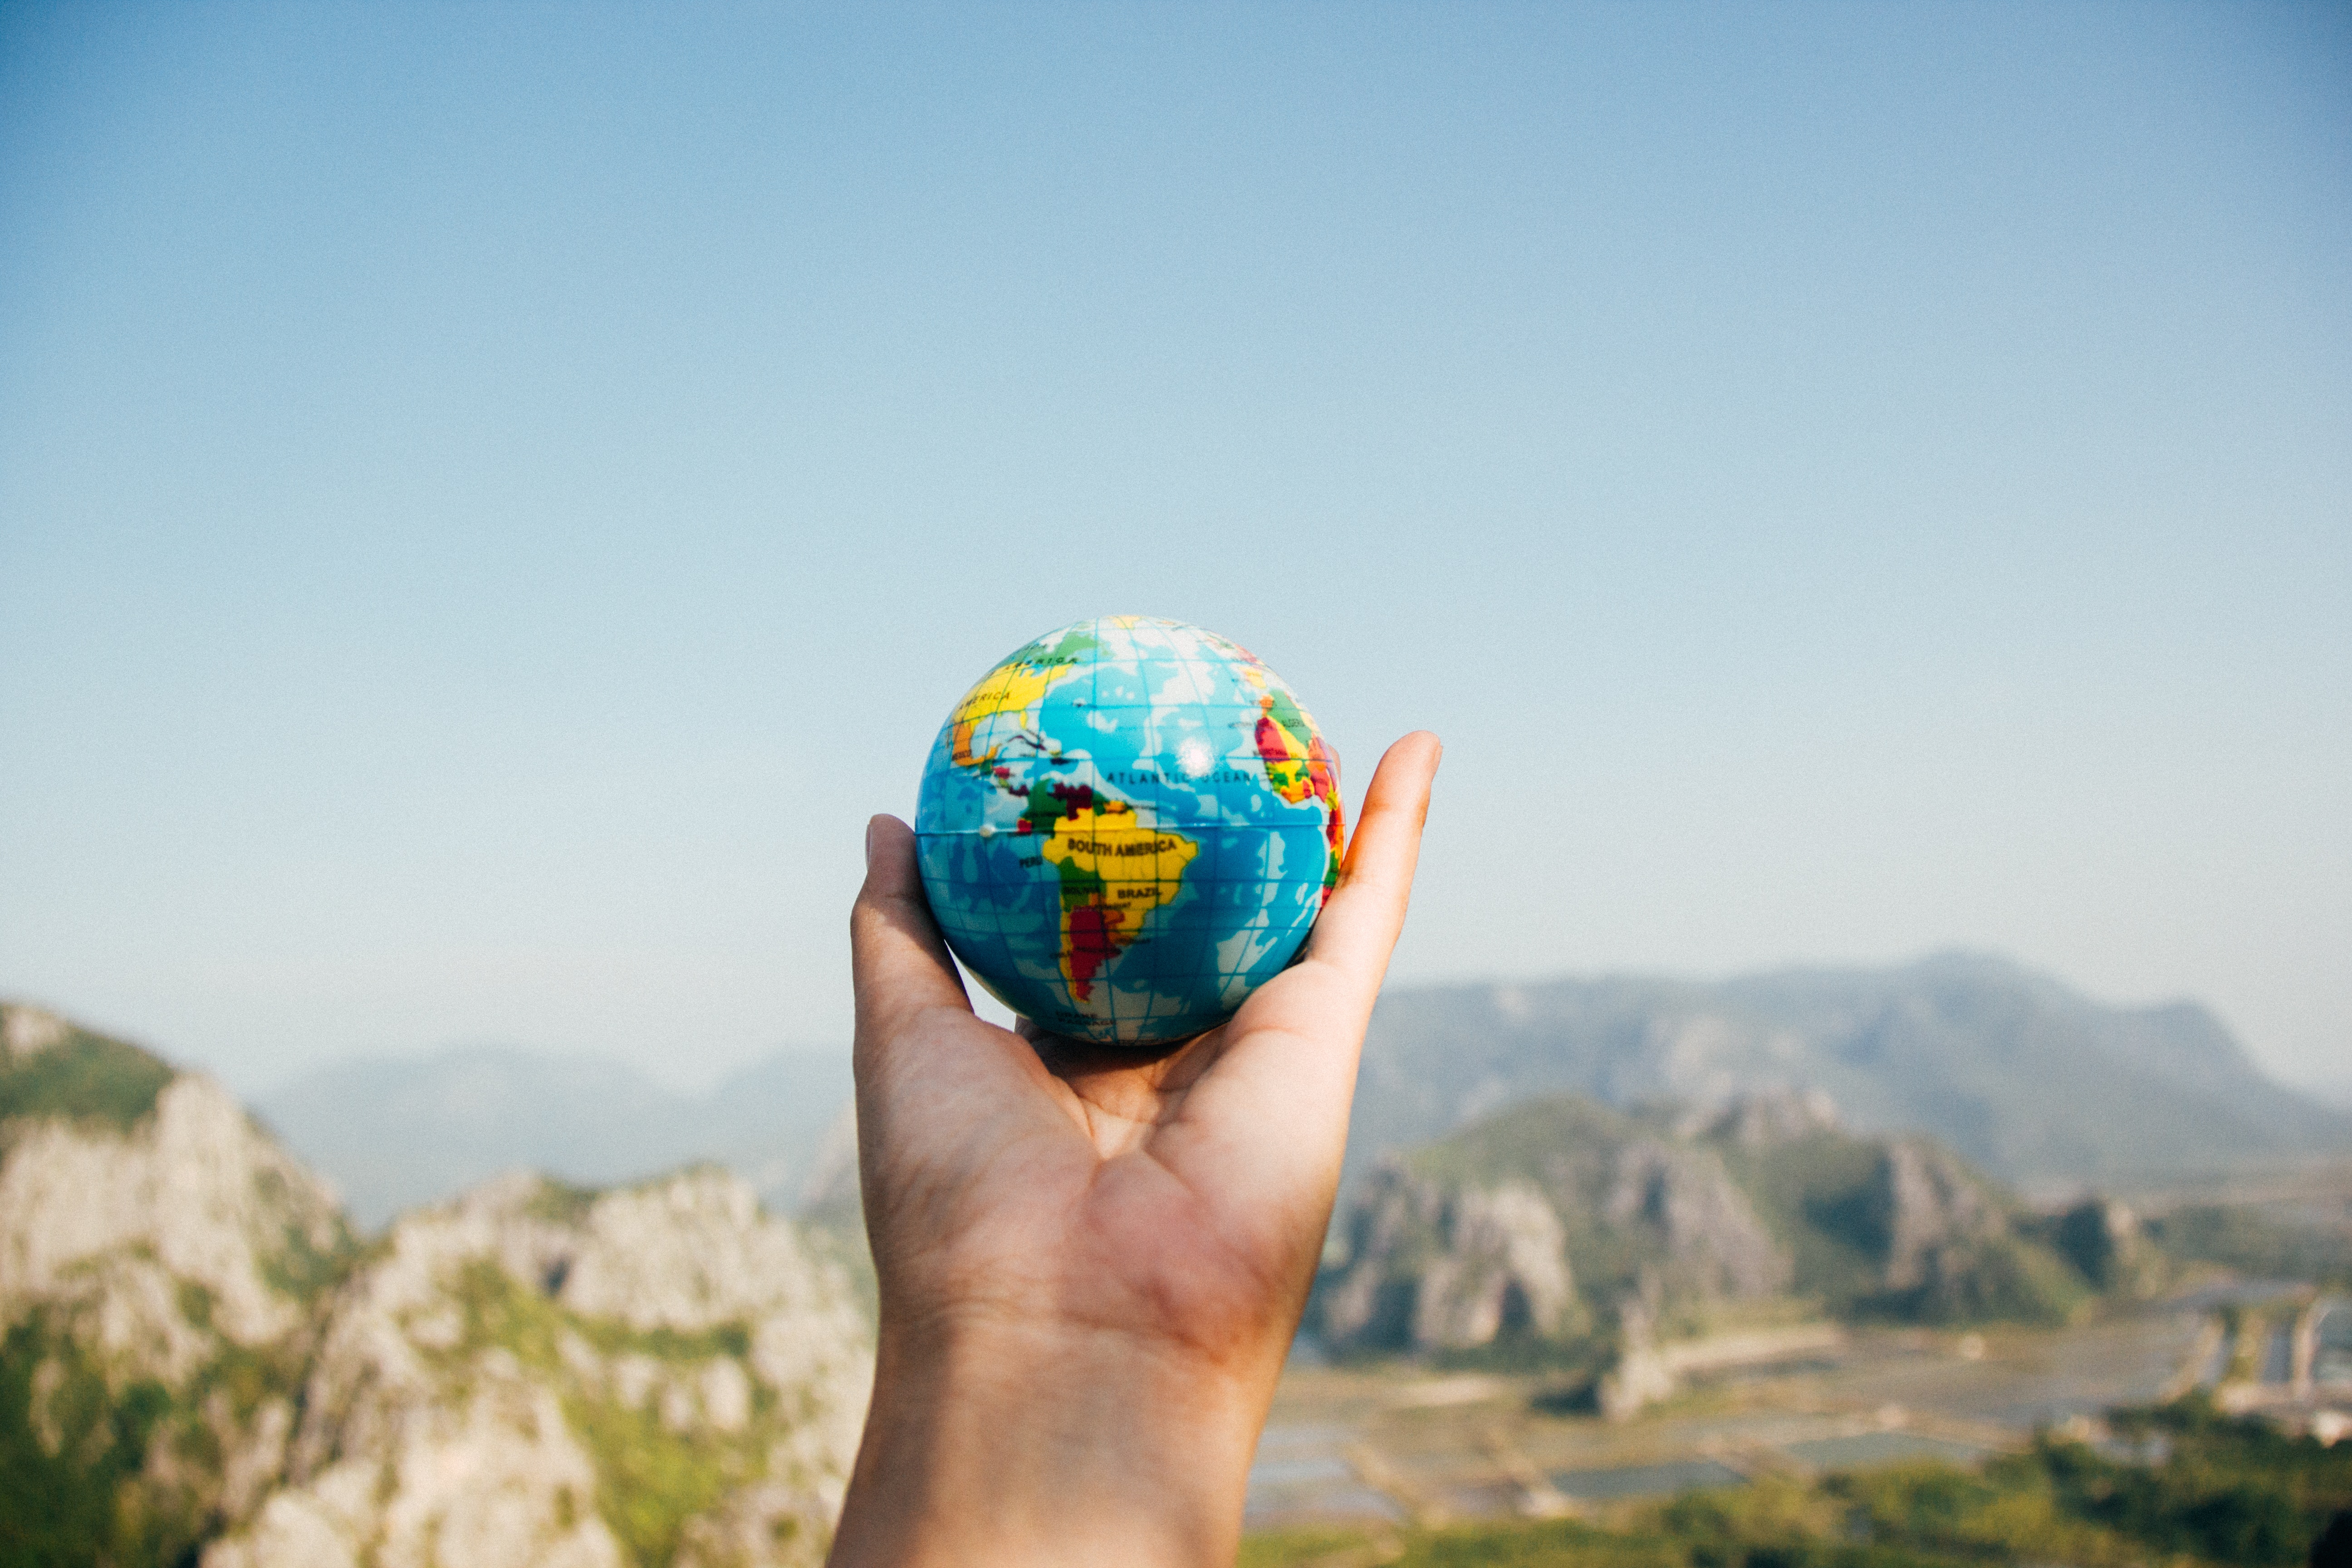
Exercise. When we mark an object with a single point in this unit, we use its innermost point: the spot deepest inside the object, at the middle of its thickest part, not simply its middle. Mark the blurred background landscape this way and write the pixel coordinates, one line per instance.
(491, 499)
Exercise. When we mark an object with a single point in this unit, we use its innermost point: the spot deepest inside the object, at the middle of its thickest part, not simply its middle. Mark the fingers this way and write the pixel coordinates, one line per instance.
(937, 1089)
(898, 965)
(1358, 928)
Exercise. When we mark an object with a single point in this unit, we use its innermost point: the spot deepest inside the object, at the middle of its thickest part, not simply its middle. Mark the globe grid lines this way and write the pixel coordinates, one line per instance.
(1203, 924)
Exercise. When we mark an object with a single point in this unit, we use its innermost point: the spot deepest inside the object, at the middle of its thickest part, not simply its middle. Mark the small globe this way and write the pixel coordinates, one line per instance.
(1127, 828)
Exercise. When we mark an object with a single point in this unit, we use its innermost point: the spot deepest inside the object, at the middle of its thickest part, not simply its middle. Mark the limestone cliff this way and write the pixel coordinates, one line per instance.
(2104, 1240)
(1485, 1261)
(1532, 1224)
(161, 1264)
(200, 1361)
(534, 1375)
(1565, 1223)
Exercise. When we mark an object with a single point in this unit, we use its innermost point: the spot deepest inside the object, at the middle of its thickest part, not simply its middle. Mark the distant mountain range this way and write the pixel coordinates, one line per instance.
(2021, 1075)
(395, 1132)
(634, 1363)
(2335, 1091)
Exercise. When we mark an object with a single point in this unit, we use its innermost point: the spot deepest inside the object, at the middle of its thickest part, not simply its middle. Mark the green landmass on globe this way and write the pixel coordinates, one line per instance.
(1127, 827)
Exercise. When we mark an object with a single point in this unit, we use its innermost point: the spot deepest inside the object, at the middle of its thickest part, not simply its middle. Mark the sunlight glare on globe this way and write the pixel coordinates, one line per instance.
(1127, 827)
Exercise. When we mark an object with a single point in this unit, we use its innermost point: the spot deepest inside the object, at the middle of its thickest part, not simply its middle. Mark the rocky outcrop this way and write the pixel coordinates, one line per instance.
(1613, 1236)
(1712, 1242)
(531, 1376)
(1490, 1235)
(199, 1360)
(192, 1199)
(1767, 1118)
(1951, 1250)
(1641, 1375)
(2103, 1240)
(1504, 1266)
(1486, 1261)
(161, 1263)
(1930, 1213)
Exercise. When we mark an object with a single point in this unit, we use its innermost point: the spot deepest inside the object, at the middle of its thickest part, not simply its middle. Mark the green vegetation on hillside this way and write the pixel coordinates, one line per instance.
(69, 1452)
(76, 1485)
(652, 1477)
(562, 1203)
(1820, 1194)
(1823, 1195)
(1766, 1215)
(1815, 1193)
(2227, 1491)
(298, 1266)
(1566, 1145)
(85, 1077)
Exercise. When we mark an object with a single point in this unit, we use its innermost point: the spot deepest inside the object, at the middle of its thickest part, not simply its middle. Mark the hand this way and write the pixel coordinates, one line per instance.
(1092, 1260)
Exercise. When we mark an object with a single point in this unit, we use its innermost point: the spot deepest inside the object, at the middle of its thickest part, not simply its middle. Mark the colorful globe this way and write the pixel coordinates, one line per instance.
(1127, 828)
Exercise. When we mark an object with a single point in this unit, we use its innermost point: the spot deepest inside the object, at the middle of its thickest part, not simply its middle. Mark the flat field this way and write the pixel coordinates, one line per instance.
(1404, 1446)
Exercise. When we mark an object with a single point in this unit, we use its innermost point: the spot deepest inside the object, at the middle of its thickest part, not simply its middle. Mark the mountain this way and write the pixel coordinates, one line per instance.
(1563, 1224)
(164, 1270)
(395, 1132)
(2335, 1091)
(1994, 1062)
(2002, 1065)
(201, 1363)
(536, 1374)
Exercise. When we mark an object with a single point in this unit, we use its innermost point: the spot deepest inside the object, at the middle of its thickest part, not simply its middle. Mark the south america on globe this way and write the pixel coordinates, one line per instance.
(1127, 827)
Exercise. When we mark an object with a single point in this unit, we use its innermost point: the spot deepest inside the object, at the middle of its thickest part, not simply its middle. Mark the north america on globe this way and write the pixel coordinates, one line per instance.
(1126, 826)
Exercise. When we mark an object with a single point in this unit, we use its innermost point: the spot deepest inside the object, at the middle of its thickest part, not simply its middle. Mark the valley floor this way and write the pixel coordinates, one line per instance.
(1398, 1446)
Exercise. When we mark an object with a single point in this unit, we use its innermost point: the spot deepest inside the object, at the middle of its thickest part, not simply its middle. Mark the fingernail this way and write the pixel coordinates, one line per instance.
(869, 845)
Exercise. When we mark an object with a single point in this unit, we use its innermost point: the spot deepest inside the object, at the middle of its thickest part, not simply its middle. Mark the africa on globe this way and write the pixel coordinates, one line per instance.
(1127, 828)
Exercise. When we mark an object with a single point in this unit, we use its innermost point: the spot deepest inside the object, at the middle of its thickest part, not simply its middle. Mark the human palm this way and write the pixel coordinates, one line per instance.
(1068, 1235)
(1042, 1181)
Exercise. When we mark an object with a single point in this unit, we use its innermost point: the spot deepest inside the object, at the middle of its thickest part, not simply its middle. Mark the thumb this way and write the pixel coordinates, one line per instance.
(898, 963)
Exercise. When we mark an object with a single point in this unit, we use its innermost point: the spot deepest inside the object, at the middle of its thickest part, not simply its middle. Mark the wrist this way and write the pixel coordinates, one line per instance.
(1037, 1443)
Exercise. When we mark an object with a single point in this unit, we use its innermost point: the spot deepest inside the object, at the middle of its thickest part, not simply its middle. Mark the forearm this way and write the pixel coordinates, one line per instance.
(1016, 1444)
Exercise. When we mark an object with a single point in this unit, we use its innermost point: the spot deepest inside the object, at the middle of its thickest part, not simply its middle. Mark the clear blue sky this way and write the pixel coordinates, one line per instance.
(490, 496)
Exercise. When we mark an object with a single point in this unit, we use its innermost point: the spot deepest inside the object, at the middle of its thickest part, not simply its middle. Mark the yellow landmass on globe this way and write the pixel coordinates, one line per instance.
(1014, 687)
(1115, 872)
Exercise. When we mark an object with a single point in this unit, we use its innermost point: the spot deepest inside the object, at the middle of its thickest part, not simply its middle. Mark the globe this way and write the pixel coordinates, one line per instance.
(1127, 827)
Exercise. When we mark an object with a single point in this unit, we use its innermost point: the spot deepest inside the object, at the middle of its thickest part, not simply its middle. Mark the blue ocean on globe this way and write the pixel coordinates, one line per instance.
(1127, 827)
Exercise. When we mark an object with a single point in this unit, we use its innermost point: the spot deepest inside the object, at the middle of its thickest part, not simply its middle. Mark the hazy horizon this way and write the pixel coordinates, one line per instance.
(2331, 1088)
(490, 498)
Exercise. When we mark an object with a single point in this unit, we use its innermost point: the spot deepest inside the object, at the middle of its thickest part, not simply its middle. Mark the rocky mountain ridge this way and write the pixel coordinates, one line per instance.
(200, 1359)
(1563, 1229)
(162, 1266)
(1989, 1059)
(534, 1373)
(1993, 1060)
